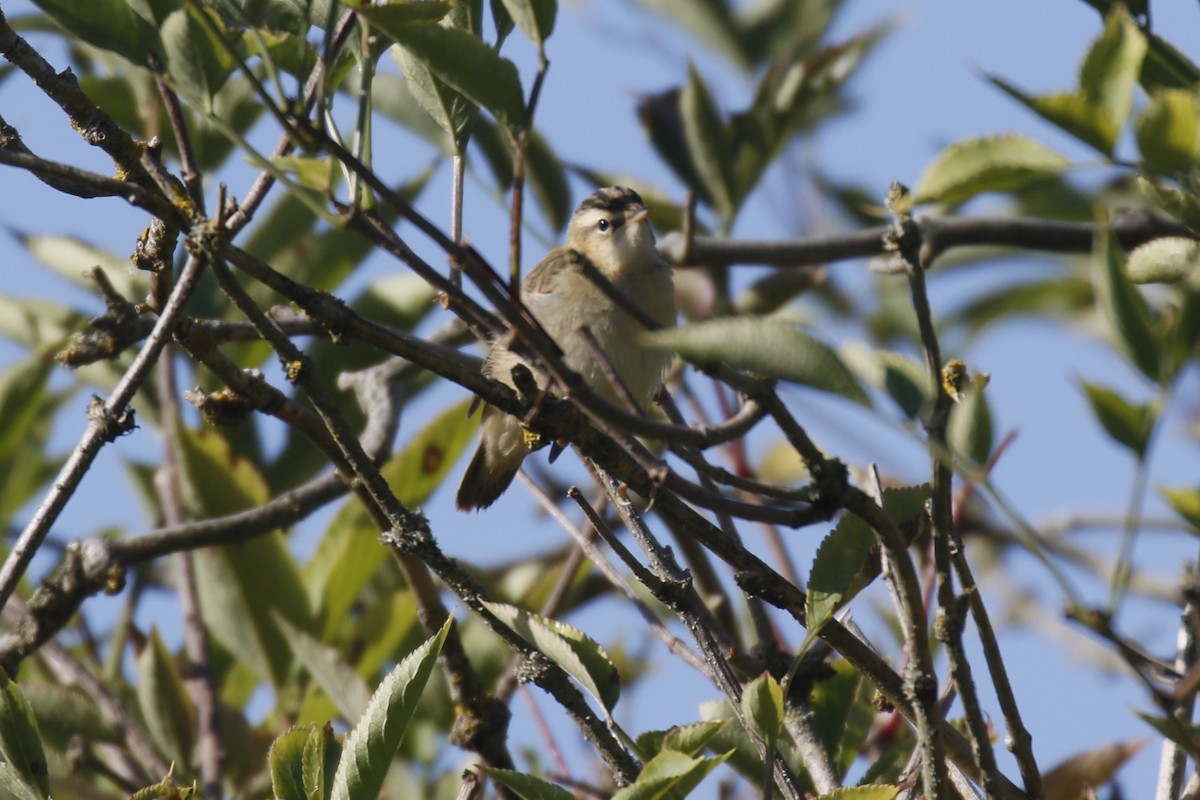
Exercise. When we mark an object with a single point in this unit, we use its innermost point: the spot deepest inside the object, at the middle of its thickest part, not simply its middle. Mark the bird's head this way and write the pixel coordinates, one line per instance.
(611, 228)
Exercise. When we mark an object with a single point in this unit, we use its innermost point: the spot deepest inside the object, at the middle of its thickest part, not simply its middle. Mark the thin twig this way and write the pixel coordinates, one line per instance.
(108, 420)
(676, 591)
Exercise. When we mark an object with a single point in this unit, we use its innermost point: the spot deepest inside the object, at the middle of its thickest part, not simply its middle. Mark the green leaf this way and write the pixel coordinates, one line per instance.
(570, 648)
(898, 375)
(535, 18)
(1168, 131)
(669, 772)
(1172, 259)
(165, 704)
(286, 761)
(325, 664)
(548, 180)
(689, 739)
(769, 346)
(38, 324)
(773, 291)
(1171, 727)
(1125, 309)
(711, 21)
(862, 793)
(838, 570)
(1181, 204)
(841, 567)
(986, 164)
(762, 707)
(527, 787)
(1182, 332)
(502, 21)
(1128, 424)
(72, 258)
(240, 585)
(108, 24)
(1166, 67)
(1110, 70)
(318, 174)
(1056, 298)
(24, 402)
(708, 143)
(21, 744)
(842, 714)
(462, 61)
(197, 63)
(322, 754)
(1073, 112)
(1185, 503)
(349, 553)
(369, 748)
(969, 431)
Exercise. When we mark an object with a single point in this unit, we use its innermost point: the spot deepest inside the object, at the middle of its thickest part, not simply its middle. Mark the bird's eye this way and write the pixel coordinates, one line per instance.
(602, 225)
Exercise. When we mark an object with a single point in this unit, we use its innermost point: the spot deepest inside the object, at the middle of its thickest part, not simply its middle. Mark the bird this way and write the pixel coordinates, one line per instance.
(609, 234)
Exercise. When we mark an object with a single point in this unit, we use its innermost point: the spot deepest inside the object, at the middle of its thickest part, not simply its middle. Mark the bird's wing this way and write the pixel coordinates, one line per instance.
(546, 281)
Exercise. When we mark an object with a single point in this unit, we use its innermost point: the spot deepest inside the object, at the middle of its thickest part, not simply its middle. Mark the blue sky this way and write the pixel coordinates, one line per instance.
(922, 89)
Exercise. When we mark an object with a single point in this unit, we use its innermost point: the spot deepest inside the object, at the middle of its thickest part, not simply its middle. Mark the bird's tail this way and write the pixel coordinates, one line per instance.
(501, 450)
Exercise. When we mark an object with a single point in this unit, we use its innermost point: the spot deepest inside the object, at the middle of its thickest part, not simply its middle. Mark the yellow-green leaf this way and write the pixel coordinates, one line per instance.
(1110, 70)
(1185, 502)
(761, 344)
(570, 648)
(986, 164)
(1168, 131)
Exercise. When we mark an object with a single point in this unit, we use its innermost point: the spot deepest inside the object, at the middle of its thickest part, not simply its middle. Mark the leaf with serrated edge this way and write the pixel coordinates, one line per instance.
(837, 571)
(839, 560)
(689, 739)
(20, 742)
(286, 761)
(369, 748)
(669, 771)
(570, 648)
(986, 164)
(527, 787)
(770, 346)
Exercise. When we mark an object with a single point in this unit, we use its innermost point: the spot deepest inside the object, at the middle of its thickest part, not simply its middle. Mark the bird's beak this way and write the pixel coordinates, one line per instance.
(640, 216)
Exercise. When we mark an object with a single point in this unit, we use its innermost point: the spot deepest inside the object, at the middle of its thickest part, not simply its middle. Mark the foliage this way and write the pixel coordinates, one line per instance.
(342, 672)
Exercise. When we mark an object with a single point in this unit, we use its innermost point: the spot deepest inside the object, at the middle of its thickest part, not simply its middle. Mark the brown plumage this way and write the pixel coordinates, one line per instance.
(609, 231)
